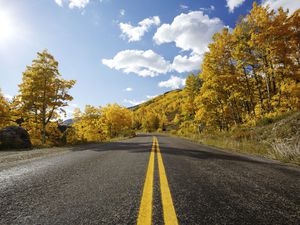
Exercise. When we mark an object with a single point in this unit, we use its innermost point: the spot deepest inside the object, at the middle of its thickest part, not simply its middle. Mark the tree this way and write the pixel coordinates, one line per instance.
(100, 123)
(192, 87)
(89, 125)
(151, 121)
(4, 111)
(117, 119)
(43, 93)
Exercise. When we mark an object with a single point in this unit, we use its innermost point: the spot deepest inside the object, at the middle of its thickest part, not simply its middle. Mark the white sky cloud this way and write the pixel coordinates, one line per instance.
(192, 31)
(151, 96)
(143, 63)
(182, 6)
(133, 101)
(174, 82)
(208, 9)
(232, 4)
(73, 3)
(128, 89)
(292, 5)
(185, 63)
(122, 12)
(135, 33)
(78, 3)
(59, 2)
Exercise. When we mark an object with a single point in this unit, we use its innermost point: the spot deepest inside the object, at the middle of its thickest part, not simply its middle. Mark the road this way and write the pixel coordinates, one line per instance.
(147, 180)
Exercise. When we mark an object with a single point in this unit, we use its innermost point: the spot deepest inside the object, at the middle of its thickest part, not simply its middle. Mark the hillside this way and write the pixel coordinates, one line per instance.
(164, 112)
(274, 137)
(247, 95)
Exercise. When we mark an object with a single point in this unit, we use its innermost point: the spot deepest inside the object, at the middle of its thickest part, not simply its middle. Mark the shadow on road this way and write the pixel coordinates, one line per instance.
(142, 143)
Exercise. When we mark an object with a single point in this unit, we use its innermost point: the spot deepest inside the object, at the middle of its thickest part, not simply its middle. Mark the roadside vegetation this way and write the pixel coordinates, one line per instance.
(39, 107)
(246, 96)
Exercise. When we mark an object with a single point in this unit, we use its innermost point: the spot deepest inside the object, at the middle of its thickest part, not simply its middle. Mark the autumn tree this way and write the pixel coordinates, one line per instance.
(252, 71)
(43, 92)
(118, 120)
(88, 125)
(192, 87)
(97, 124)
(4, 111)
(151, 121)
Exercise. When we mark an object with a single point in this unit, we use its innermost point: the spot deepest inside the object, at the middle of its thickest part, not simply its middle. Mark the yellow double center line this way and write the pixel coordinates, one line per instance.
(145, 213)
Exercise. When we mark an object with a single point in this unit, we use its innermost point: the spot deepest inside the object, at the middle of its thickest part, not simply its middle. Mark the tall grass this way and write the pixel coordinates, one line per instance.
(286, 150)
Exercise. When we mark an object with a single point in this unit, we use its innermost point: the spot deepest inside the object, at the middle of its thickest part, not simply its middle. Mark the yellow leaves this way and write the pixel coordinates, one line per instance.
(117, 119)
(43, 93)
(4, 112)
(100, 123)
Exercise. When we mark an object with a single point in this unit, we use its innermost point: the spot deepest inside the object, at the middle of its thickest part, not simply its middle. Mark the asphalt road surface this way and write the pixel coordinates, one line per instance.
(145, 180)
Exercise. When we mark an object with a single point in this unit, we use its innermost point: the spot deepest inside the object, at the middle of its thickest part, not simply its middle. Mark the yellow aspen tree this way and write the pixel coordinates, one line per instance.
(43, 93)
(4, 111)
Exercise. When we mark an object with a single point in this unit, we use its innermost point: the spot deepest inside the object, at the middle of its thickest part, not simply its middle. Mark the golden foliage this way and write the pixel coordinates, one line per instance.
(97, 124)
(4, 111)
(249, 73)
(42, 94)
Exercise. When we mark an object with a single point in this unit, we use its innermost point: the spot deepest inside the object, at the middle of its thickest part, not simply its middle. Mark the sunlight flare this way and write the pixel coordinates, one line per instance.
(7, 27)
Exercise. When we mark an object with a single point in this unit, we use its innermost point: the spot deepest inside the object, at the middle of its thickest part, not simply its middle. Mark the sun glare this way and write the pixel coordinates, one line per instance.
(7, 30)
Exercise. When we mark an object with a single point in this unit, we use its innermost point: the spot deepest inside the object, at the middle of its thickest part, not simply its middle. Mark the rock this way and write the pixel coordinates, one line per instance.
(14, 137)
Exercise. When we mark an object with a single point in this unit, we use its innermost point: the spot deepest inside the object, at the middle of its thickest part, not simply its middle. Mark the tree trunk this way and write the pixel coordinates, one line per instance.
(252, 105)
(258, 84)
(44, 133)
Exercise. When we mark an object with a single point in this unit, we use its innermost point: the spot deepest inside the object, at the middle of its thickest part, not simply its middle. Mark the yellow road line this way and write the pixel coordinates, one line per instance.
(145, 213)
(170, 217)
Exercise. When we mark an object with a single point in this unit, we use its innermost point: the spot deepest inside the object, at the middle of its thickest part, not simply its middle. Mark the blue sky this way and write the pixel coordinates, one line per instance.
(119, 51)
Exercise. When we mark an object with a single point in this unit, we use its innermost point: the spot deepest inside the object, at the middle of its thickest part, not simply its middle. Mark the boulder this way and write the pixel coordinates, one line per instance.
(14, 137)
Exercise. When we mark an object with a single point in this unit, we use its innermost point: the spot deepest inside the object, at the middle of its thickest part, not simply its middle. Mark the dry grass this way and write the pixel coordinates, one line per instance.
(286, 150)
(278, 140)
(224, 141)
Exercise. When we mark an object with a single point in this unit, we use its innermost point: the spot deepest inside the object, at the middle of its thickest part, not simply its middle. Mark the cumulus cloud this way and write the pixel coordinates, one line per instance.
(192, 31)
(135, 33)
(128, 89)
(134, 102)
(186, 63)
(143, 63)
(78, 3)
(292, 5)
(174, 82)
(232, 4)
(73, 3)
(59, 2)
(150, 64)
(122, 12)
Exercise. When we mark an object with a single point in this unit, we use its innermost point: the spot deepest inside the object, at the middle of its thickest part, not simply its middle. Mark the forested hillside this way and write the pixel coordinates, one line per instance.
(250, 76)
